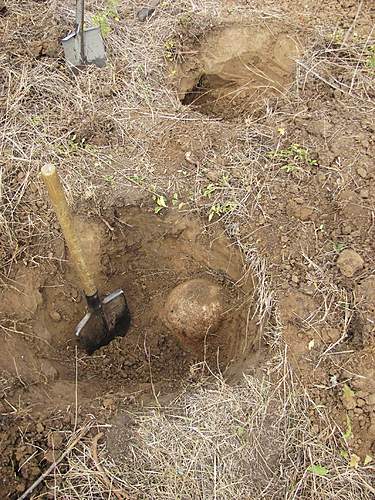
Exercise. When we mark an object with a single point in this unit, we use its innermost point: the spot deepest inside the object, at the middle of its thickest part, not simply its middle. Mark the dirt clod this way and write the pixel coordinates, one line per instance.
(193, 309)
(362, 172)
(55, 316)
(55, 440)
(349, 262)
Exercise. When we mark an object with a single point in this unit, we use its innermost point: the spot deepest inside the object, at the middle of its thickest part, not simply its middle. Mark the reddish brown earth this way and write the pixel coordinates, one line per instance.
(313, 224)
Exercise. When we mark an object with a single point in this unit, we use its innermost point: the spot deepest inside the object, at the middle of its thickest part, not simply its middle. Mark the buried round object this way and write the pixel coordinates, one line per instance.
(193, 309)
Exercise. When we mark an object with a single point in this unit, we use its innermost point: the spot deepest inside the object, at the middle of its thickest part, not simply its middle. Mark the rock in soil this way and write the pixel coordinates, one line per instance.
(193, 309)
(147, 11)
(349, 262)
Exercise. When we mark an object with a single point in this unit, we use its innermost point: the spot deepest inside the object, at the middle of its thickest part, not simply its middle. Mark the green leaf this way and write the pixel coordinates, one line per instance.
(354, 461)
(318, 470)
(344, 454)
(347, 392)
(161, 201)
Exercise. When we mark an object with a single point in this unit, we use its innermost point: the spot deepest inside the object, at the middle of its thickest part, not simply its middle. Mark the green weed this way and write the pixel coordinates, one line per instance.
(318, 470)
(102, 18)
(161, 203)
(370, 62)
(338, 246)
(170, 50)
(221, 209)
(110, 179)
(295, 157)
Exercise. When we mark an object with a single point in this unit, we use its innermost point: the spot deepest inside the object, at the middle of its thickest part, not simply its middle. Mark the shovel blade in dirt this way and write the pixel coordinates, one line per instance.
(106, 318)
(111, 317)
(84, 46)
(93, 48)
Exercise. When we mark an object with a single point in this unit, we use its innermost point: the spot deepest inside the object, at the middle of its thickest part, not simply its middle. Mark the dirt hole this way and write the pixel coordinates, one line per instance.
(154, 260)
(236, 69)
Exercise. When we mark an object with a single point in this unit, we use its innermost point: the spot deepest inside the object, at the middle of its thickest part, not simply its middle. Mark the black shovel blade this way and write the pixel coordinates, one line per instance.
(101, 325)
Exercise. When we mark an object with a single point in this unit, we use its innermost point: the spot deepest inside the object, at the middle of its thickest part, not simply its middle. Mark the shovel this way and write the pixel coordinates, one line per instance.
(106, 318)
(84, 46)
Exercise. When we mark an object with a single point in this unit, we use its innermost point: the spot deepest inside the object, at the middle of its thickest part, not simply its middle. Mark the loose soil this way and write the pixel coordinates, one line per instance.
(276, 154)
(236, 69)
(147, 256)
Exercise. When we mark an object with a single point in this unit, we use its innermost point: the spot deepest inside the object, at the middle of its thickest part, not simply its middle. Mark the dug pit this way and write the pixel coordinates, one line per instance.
(190, 300)
(235, 69)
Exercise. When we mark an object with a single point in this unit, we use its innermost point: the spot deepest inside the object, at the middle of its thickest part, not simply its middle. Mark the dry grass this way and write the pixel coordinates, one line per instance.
(251, 440)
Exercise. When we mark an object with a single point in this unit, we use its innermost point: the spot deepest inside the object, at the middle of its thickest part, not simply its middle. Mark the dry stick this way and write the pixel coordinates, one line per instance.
(41, 478)
(119, 493)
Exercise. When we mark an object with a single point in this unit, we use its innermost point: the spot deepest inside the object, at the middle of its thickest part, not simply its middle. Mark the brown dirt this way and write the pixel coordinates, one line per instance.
(147, 256)
(236, 69)
(312, 223)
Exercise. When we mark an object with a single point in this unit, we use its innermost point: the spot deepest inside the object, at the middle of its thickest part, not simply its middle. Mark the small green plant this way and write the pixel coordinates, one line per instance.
(225, 180)
(103, 17)
(176, 202)
(318, 470)
(338, 36)
(36, 120)
(289, 168)
(137, 179)
(185, 19)
(371, 57)
(110, 179)
(338, 246)
(209, 190)
(161, 203)
(221, 209)
(72, 146)
(170, 50)
(295, 157)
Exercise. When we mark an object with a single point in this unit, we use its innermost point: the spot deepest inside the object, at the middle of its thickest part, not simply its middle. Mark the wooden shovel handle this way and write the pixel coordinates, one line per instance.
(60, 205)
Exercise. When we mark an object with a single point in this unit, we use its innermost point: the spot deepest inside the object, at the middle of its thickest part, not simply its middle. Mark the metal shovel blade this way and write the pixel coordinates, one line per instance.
(100, 326)
(93, 50)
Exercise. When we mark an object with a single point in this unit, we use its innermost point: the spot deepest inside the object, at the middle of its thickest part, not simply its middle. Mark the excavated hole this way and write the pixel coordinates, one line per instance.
(237, 68)
(147, 256)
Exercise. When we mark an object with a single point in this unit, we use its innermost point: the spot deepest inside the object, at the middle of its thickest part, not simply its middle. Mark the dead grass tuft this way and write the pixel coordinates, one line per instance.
(250, 440)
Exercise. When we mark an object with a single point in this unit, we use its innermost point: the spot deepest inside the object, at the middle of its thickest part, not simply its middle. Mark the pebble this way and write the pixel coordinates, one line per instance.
(147, 11)
(39, 428)
(362, 172)
(55, 316)
(213, 175)
(346, 229)
(364, 193)
(349, 262)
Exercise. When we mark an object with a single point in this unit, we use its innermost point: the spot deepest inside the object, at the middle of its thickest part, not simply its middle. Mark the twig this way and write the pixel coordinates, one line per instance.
(45, 474)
